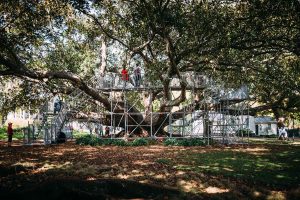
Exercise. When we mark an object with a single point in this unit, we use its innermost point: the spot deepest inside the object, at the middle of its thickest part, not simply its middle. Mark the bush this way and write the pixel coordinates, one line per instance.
(107, 142)
(268, 136)
(271, 136)
(88, 140)
(93, 141)
(118, 142)
(18, 133)
(244, 133)
(293, 132)
(3, 130)
(196, 142)
(171, 142)
(152, 141)
(185, 142)
(79, 134)
(140, 142)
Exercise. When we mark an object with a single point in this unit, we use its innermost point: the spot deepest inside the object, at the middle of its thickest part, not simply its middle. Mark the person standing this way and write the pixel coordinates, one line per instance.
(125, 76)
(100, 130)
(57, 106)
(283, 133)
(10, 133)
(137, 76)
(106, 131)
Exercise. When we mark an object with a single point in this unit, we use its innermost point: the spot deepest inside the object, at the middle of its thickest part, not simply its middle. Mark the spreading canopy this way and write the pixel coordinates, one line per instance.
(54, 46)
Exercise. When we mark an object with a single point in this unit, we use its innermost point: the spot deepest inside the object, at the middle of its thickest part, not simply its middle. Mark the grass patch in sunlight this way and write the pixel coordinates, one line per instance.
(277, 168)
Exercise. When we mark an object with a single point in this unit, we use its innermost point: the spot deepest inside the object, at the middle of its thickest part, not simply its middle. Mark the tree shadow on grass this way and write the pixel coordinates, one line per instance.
(65, 189)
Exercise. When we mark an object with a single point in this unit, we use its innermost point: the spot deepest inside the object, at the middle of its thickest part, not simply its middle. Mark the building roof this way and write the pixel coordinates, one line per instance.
(264, 120)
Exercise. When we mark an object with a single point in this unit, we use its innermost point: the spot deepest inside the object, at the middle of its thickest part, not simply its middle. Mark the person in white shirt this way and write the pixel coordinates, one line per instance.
(283, 133)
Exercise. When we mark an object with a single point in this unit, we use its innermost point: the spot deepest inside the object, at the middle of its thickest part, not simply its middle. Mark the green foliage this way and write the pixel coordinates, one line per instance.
(140, 142)
(119, 142)
(18, 133)
(95, 141)
(88, 140)
(254, 42)
(293, 132)
(132, 97)
(171, 142)
(152, 141)
(185, 142)
(3, 130)
(268, 136)
(245, 133)
(271, 136)
(78, 134)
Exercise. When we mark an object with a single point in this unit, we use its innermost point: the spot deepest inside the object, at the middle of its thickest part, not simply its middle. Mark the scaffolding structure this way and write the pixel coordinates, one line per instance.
(220, 113)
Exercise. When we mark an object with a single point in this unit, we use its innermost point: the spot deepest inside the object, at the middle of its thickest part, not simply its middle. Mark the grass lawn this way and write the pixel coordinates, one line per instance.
(277, 166)
(254, 171)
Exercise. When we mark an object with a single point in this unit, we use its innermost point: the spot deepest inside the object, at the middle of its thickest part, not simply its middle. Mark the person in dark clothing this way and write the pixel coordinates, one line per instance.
(10, 133)
(106, 131)
(137, 76)
(57, 106)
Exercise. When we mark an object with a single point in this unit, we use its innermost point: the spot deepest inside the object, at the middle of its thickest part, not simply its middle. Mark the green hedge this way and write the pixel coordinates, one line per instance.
(186, 142)
(293, 132)
(245, 133)
(88, 140)
(95, 141)
(267, 136)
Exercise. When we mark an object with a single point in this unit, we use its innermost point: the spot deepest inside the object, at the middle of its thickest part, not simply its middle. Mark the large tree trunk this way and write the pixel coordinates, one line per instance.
(103, 57)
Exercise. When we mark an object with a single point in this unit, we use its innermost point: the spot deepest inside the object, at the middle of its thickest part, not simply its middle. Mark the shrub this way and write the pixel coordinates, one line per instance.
(3, 130)
(78, 134)
(271, 136)
(18, 133)
(152, 141)
(107, 142)
(185, 142)
(244, 133)
(140, 142)
(94, 141)
(293, 132)
(171, 142)
(119, 142)
(88, 140)
(196, 142)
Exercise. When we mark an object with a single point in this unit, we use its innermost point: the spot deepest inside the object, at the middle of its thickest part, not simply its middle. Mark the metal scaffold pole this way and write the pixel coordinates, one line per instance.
(126, 114)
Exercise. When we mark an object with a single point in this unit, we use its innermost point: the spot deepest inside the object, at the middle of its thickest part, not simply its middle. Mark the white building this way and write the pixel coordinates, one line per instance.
(265, 126)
